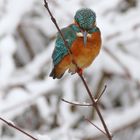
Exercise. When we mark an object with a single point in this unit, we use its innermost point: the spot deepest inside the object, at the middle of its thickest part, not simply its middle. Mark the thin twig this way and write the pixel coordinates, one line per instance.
(84, 103)
(77, 103)
(65, 42)
(96, 126)
(17, 128)
(97, 100)
(95, 105)
(54, 21)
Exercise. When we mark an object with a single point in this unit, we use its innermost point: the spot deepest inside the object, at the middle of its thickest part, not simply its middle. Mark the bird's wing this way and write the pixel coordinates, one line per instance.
(60, 49)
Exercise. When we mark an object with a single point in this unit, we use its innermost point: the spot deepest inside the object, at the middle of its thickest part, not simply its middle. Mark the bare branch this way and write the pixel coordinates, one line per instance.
(97, 100)
(17, 128)
(55, 23)
(65, 42)
(77, 103)
(95, 105)
(96, 126)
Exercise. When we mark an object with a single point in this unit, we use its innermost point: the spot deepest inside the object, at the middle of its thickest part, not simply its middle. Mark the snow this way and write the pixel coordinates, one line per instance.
(15, 9)
(115, 121)
(7, 65)
(28, 94)
(42, 137)
(132, 64)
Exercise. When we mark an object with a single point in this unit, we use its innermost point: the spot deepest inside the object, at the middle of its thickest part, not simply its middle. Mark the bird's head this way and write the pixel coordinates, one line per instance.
(85, 18)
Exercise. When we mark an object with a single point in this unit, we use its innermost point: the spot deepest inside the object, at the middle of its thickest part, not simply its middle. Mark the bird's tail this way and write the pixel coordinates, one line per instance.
(56, 74)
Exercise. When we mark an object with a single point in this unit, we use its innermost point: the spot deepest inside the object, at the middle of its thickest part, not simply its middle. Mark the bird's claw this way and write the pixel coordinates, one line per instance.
(80, 71)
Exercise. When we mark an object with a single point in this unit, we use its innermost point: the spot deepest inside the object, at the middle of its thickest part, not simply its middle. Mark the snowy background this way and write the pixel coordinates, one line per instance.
(32, 100)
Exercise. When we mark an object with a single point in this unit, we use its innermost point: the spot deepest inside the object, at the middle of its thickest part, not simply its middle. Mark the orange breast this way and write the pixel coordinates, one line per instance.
(84, 55)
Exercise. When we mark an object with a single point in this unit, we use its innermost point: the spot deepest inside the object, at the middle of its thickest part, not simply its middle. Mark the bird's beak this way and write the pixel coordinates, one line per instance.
(85, 38)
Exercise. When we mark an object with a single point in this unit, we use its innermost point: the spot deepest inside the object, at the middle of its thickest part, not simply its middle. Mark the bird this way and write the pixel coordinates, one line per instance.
(83, 39)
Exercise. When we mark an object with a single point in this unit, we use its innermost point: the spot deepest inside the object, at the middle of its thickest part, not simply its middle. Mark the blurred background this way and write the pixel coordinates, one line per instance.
(32, 100)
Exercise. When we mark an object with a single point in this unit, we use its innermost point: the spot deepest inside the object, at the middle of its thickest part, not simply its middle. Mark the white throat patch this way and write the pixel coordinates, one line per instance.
(80, 34)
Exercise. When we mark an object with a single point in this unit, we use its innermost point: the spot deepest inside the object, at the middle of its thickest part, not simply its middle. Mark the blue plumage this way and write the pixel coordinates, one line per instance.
(83, 27)
(60, 50)
(85, 17)
(69, 34)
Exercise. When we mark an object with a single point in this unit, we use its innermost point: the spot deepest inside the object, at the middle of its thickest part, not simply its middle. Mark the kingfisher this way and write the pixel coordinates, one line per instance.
(83, 39)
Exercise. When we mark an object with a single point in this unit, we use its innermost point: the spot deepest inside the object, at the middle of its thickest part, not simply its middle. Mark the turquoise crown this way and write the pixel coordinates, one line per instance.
(85, 18)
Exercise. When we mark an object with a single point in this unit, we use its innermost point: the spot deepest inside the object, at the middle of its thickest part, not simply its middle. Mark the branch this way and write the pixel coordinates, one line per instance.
(95, 105)
(96, 108)
(95, 126)
(77, 103)
(98, 98)
(65, 42)
(17, 128)
(84, 103)
(55, 23)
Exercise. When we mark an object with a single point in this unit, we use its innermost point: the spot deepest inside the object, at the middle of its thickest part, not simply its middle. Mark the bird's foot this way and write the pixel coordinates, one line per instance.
(71, 72)
(80, 71)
